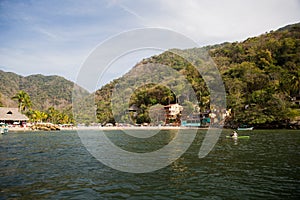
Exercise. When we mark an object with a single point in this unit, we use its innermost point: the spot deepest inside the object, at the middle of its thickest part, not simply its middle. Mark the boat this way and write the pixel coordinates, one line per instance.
(3, 128)
(239, 137)
(245, 128)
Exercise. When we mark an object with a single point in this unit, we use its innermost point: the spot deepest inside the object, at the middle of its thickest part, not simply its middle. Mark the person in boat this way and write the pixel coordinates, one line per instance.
(233, 134)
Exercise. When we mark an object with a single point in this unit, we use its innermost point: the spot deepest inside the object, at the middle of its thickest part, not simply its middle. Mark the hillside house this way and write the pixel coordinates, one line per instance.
(173, 114)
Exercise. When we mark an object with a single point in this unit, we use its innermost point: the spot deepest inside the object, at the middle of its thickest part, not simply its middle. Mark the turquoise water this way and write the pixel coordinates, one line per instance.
(55, 165)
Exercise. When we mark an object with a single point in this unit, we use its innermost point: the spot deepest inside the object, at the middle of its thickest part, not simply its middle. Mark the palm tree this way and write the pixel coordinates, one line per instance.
(38, 116)
(168, 97)
(23, 100)
(52, 115)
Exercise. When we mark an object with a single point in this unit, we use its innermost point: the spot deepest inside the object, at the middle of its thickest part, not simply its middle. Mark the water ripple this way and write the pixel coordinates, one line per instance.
(56, 165)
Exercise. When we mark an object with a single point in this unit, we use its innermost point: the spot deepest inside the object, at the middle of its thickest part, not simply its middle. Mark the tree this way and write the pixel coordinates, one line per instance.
(37, 116)
(23, 99)
(1, 105)
(169, 97)
(52, 115)
(261, 76)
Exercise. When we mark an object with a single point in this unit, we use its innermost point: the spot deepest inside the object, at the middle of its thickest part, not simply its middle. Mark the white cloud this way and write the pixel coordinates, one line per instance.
(55, 37)
(209, 22)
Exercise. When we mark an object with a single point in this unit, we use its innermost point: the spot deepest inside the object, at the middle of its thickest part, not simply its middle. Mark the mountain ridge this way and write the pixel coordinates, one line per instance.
(44, 90)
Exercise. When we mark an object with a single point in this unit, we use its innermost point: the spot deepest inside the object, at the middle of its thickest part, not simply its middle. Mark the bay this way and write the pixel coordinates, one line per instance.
(56, 165)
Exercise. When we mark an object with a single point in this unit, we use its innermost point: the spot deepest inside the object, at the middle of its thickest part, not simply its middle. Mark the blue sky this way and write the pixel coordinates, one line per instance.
(55, 37)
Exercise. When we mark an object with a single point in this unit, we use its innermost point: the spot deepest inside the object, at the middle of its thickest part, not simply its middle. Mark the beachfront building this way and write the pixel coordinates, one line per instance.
(173, 114)
(12, 116)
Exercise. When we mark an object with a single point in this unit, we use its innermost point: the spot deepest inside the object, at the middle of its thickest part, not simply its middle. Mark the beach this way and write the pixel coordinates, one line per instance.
(26, 129)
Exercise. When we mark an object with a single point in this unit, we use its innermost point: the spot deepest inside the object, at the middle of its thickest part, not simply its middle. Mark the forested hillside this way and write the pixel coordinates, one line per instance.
(261, 77)
(44, 91)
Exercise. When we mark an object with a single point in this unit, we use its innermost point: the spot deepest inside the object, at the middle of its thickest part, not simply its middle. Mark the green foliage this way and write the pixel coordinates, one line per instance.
(102, 98)
(51, 115)
(1, 104)
(150, 95)
(44, 91)
(37, 116)
(60, 117)
(261, 75)
(23, 100)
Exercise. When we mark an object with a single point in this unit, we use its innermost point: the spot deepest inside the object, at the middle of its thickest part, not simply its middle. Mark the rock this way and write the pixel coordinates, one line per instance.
(45, 127)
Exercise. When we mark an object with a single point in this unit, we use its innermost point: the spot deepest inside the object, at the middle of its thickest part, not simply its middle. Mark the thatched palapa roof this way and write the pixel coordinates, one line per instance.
(11, 114)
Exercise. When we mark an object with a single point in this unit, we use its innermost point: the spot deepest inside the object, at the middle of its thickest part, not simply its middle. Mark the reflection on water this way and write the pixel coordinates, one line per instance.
(55, 165)
(109, 153)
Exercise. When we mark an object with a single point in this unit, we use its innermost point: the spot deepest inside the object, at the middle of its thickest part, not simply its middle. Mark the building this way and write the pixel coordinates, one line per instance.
(296, 99)
(173, 114)
(12, 116)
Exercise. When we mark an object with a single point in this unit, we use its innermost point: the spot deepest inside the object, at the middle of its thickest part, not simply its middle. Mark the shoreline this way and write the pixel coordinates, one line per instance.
(90, 128)
(28, 129)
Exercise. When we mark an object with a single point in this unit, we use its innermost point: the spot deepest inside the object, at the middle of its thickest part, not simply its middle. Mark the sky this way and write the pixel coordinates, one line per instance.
(54, 37)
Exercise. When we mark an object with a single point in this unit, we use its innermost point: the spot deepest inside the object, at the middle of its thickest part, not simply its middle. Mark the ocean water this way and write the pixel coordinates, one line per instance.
(56, 165)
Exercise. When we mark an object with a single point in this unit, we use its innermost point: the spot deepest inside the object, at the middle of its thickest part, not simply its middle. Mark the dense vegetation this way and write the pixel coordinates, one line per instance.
(41, 98)
(261, 77)
(50, 115)
(44, 91)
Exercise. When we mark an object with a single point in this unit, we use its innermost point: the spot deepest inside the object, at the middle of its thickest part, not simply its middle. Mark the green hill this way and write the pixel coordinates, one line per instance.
(44, 91)
(261, 77)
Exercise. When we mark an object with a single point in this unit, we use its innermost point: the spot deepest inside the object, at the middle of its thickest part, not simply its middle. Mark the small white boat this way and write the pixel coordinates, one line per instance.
(3, 128)
(245, 128)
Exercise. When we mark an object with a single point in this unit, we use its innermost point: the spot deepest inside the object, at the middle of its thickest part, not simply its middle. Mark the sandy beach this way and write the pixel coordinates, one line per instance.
(25, 129)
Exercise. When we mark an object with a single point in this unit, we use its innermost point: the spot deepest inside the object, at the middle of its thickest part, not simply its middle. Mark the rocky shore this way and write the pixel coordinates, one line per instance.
(45, 127)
